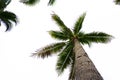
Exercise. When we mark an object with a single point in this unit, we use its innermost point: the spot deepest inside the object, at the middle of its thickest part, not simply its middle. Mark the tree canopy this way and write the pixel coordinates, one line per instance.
(66, 46)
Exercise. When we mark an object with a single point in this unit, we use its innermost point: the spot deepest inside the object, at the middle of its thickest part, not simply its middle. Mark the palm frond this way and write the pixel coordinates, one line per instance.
(58, 35)
(96, 37)
(10, 16)
(64, 58)
(117, 2)
(72, 71)
(72, 68)
(7, 2)
(48, 50)
(78, 24)
(29, 2)
(82, 40)
(7, 18)
(51, 2)
(61, 25)
(8, 24)
(2, 5)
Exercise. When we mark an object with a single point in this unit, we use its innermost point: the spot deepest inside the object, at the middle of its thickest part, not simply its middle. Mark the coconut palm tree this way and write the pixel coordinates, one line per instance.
(32, 2)
(7, 17)
(71, 51)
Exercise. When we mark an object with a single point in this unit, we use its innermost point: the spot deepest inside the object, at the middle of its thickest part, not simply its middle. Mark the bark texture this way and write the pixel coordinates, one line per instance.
(84, 67)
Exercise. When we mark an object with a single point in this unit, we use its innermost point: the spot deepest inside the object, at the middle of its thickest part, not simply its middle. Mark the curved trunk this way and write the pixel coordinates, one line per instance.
(84, 67)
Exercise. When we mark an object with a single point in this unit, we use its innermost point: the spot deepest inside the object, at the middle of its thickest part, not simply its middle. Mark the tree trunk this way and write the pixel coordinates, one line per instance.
(84, 67)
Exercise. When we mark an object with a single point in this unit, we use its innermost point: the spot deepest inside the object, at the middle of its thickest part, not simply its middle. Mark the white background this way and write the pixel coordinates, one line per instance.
(31, 34)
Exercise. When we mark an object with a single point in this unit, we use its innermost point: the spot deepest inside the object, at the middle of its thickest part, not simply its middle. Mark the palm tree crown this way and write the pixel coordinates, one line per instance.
(5, 16)
(66, 55)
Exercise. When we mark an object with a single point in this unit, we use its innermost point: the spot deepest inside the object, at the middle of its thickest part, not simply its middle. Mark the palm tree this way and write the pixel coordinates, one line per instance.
(71, 51)
(32, 2)
(7, 17)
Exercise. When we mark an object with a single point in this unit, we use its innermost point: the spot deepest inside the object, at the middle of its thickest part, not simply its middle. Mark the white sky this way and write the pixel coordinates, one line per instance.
(31, 34)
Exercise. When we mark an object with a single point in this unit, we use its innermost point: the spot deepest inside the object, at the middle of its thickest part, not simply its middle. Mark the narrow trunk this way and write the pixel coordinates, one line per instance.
(84, 67)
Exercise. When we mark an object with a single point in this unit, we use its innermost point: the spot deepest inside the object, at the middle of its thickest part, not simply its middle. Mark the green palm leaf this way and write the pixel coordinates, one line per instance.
(7, 1)
(33, 2)
(58, 35)
(81, 38)
(78, 24)
(7, 23)
(4, 4)
(72, 71)
(51, 2)
(48, 50)
(96, 37)
(10, 16)
(64, 58)
(29, 2)
(7, 18)
(62, 26)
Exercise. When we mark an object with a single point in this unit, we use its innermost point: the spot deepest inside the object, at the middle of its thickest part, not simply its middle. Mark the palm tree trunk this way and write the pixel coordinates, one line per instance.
(84, 67)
